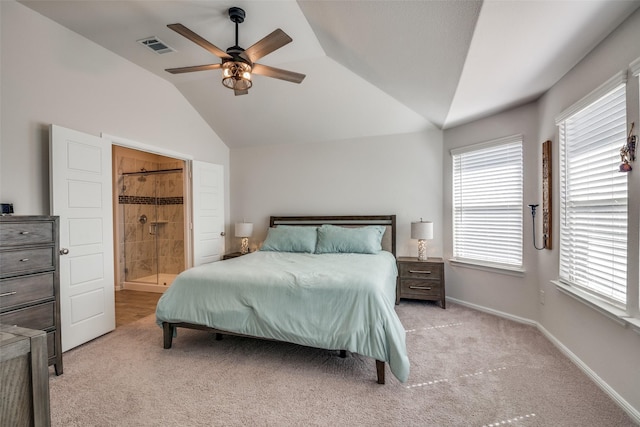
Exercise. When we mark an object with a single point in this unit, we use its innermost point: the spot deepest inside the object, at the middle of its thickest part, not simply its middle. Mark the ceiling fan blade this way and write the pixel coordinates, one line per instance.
(277, 73)
(240, 92)
(268, 44)
(184, 31)
(193, 68)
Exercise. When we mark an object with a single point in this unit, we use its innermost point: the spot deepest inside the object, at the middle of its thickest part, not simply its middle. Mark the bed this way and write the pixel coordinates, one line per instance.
(318, 281)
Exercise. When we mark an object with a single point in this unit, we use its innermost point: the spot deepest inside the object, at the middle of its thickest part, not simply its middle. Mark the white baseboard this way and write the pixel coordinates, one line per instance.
(619, 400)
(494, 312)
(630, 410)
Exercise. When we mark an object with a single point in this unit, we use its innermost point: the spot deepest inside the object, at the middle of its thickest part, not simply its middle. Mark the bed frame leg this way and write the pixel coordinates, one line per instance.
(167, 334)
(343, 353)
(380, 371)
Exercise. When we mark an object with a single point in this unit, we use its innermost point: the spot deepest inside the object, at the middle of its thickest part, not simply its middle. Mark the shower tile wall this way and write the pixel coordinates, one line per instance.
(160, 198)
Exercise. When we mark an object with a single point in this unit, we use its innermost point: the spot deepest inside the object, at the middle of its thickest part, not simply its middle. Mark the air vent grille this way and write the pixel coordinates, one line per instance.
(156, 45)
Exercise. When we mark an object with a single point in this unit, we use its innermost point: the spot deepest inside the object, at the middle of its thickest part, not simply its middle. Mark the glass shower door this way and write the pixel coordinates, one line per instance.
(153, 212)
(140, 211)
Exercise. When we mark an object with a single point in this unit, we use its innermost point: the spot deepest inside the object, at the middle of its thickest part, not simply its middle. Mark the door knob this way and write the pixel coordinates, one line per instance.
(64, 251)
(222, 233)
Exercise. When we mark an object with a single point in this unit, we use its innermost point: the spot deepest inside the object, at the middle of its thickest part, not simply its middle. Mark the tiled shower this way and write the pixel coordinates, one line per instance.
(150, 219)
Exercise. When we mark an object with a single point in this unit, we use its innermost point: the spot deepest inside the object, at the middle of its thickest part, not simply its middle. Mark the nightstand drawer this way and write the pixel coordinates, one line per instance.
(421, 270)
(26, 261)
(25, 289)
(21, 233)
(38, 317)
(416, 288)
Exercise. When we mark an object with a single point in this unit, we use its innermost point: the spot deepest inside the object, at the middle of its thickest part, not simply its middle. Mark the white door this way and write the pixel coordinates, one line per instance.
(81, 196)
(208, 212)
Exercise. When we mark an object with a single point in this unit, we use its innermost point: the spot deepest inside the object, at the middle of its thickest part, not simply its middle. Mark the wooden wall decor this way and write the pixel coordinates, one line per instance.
(546, 194)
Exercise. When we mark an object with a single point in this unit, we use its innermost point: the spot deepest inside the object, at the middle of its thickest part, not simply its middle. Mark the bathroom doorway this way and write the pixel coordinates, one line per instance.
(149, 219)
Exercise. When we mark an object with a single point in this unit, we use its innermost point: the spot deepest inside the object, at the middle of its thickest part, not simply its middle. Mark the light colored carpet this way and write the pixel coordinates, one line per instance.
(467, 369)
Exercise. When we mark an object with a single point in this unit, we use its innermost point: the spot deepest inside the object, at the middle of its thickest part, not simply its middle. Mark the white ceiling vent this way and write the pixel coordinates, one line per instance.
(156, 45)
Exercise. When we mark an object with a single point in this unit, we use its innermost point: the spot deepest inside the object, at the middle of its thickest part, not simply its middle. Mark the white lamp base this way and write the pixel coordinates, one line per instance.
(422, 250)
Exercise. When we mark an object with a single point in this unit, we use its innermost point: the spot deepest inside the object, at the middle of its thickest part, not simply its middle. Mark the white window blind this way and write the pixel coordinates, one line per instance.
(487, 202)
(593, 198)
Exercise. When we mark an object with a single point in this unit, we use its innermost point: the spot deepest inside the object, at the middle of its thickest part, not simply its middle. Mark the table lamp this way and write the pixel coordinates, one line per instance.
(422, 231)
(244, 231)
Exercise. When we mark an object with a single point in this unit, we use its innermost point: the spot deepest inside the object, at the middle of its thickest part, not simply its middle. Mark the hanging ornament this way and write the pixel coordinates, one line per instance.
(628, 152)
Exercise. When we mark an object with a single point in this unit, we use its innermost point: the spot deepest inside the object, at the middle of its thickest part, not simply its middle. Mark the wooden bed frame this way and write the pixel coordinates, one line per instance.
(343, 220)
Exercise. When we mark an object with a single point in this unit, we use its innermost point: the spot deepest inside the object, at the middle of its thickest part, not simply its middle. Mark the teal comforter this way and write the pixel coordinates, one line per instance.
(331, 301)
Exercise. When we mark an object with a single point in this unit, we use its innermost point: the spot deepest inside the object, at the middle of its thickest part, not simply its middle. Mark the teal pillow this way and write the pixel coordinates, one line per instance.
(285, 238)
(361, 240)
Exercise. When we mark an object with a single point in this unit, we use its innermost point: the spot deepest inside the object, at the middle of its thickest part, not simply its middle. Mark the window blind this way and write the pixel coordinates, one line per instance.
(487, 202)
(593, 198)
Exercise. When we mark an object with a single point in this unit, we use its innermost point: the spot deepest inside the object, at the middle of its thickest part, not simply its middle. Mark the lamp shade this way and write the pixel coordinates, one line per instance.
(244, 229)
(422, 230)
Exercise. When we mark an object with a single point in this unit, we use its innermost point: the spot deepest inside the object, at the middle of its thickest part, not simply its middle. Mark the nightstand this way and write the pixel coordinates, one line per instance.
(231, 255)
(423, 280)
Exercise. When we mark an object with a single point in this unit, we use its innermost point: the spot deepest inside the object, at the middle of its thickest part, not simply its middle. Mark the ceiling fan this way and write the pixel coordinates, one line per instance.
(237, 63)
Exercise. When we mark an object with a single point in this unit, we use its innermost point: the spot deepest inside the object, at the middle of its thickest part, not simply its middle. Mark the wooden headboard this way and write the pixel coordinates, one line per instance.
(388, 240)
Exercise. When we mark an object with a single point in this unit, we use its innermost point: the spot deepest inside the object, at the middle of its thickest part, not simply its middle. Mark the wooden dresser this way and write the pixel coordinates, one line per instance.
(24, 394)
(30, 278)
(423, 280)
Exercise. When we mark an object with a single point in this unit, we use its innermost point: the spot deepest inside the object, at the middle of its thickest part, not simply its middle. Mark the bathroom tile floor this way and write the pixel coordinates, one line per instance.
(134, 305)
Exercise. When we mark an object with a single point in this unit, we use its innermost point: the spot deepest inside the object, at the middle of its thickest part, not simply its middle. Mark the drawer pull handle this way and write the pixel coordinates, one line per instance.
(420, 271)
(24, 232)
(24, 260)
(8, 294)
(422, 288)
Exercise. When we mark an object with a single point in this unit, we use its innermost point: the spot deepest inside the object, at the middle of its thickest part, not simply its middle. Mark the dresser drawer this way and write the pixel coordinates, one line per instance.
(24, 261)
(39, 317)
(26, 233)
(25, 289)
(421, 270)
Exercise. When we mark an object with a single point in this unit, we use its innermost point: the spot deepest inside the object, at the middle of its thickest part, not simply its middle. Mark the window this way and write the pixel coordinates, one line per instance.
(487, 203)
(593, 194)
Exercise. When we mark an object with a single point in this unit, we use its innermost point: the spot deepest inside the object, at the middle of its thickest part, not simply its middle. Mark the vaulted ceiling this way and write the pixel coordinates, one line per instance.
(372, 67)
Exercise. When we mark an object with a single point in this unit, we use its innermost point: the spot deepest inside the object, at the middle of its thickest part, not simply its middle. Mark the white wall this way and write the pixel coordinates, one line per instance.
(52, 75)
(397, 174)
(609, 349)
(503, 292)
(604, 348)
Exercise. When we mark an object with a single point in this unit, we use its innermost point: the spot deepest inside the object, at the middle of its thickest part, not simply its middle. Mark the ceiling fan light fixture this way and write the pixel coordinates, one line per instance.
(236, 75)
(237, 63)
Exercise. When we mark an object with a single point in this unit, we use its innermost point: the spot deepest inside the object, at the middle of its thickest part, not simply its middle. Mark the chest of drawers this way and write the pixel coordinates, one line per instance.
(29, 278)
(423, 280)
